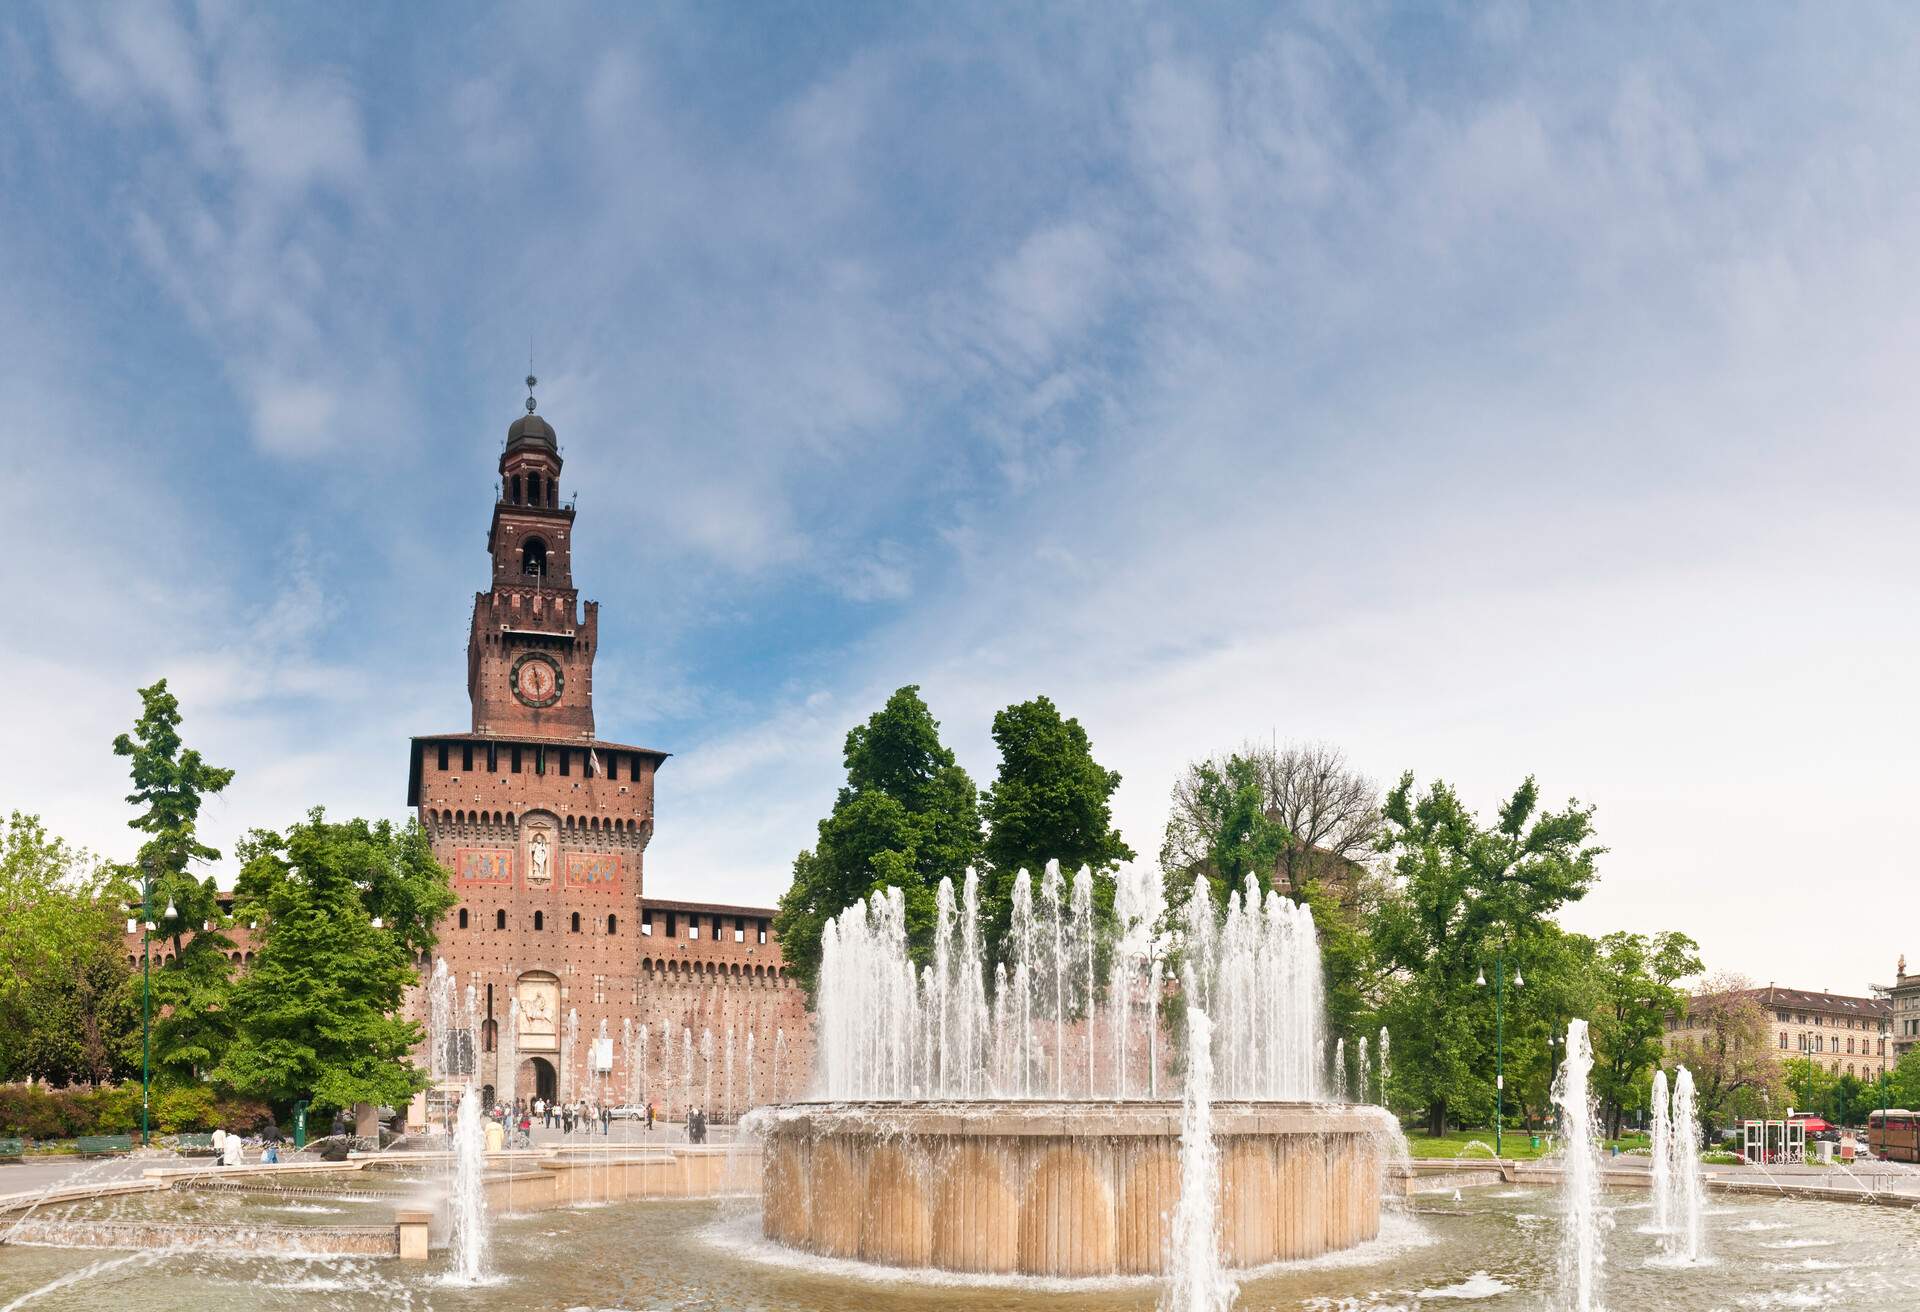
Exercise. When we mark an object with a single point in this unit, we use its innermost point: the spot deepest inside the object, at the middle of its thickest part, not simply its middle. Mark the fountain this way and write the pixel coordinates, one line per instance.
(1689, 1199)
(1662, 1163)
(1584, 1224)
(984, 1135)
(467, 1202)
(1197, 1283)
(454, 1061)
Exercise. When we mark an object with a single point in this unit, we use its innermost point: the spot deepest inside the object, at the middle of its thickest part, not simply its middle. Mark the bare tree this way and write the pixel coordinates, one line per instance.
(1331, 812)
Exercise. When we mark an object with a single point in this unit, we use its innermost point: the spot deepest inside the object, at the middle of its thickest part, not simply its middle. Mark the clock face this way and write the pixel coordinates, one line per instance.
(536, 680)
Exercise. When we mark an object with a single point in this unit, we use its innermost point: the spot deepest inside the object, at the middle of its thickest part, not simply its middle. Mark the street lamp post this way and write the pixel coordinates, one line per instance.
(1499, 1042)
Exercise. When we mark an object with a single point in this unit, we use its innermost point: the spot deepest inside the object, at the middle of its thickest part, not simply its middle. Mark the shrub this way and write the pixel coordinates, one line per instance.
(30, 1111)
(183, 1109)
(112, 1108)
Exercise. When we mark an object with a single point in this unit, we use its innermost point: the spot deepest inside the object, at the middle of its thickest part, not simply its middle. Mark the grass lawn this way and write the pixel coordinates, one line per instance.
(1467, 1144)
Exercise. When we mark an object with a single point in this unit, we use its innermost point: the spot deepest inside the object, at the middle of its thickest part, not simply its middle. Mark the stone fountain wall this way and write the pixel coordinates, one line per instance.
(1061, 1189)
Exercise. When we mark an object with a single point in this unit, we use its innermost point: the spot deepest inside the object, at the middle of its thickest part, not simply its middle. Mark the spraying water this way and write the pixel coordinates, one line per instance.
(1198, 1282)
(1689, 1191)
(887, 1031)
(1584, 1225)
(453, 1059)
(467, 1204)
(1662, 1156)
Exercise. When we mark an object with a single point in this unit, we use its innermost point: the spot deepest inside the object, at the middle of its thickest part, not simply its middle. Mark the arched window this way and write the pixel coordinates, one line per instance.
(533, 556)
(613, 924)
(500, 919)
(576, 922)
(539, 920)
(489, 1034)
(463, 917)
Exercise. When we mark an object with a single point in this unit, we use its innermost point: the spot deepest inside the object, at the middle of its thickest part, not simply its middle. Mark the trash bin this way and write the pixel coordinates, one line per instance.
(1826, 1152)
(1536, 1142)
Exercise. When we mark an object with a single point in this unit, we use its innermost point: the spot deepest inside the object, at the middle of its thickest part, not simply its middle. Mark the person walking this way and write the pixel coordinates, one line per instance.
(271, 1137)
(649, 1116)
(526, 1130)
(540, 1111)
(236, 1152)
(219, 1138)
(606, 1120)
(566, 1119)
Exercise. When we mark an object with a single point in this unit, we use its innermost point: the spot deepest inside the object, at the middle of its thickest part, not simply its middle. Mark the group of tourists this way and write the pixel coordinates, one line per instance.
(229, 1146)
(578, 1117)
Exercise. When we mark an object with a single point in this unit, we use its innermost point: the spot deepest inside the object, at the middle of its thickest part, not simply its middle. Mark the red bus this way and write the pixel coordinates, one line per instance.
(1894, 1135)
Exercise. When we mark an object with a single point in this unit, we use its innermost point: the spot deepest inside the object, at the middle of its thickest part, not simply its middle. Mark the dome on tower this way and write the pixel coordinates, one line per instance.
(531, 430)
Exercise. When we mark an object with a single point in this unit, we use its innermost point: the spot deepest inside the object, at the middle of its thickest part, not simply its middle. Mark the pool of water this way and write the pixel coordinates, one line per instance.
(1491, 1249)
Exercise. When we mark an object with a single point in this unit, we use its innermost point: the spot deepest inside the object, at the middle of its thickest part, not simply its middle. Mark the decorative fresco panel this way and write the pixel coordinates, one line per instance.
(595, 872)
(485, 865)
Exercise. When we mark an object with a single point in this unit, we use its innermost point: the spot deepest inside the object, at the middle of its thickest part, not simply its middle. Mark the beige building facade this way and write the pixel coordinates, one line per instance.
(1844, 1034)
(1904, 999)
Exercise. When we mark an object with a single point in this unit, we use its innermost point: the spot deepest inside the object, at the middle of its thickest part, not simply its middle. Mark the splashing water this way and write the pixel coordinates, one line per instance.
(467, 1204)
(1689, 1191)
(1584, 1224)
(1197, 1280)
(888, 1031)
(1662, 1156)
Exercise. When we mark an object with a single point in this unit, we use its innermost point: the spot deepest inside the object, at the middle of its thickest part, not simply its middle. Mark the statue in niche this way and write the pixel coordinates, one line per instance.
(538, 873)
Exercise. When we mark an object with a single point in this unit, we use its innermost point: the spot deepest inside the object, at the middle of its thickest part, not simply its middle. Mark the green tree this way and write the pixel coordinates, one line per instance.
(1464, 891)
(1220, 828)
(1903, 1081)
(908, 816)
(170, 784)
(318, 1012)
(1296, 820)
(1810, 1086)
(1733, 1063)
(1051, 801)
(64, 998)
(1638, 980)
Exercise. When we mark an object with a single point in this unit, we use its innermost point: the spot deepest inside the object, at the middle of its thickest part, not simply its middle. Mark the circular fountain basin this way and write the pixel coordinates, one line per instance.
(1062, 1188)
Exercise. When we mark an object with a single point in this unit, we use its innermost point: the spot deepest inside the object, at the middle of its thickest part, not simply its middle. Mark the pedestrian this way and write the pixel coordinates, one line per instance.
(526, 1130)
(271, 1137)
(540, 1110)
(235, 1152)
(649, 1116)
(566, 1119)
(219, 1146)
(606, 1120)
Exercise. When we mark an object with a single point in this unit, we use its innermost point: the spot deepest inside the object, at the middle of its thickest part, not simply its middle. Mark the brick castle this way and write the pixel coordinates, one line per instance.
(545, 827)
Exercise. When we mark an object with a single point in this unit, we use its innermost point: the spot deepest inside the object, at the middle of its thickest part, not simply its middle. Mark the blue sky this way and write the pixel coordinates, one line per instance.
(1484, 389)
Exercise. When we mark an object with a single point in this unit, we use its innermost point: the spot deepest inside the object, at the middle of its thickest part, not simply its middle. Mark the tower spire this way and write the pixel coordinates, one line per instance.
(531, 381)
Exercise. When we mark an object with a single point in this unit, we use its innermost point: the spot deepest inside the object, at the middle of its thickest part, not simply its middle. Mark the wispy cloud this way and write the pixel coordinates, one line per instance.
(1519, 391)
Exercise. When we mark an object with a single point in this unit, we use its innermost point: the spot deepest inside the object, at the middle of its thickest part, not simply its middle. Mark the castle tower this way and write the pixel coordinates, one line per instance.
(545, 827)
(530, 651)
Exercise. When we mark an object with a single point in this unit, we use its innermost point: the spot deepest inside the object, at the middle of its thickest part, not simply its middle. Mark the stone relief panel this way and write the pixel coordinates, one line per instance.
(539, 996)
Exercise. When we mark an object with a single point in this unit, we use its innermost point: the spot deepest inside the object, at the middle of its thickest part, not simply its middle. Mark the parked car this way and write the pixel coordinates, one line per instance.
(628, 1111)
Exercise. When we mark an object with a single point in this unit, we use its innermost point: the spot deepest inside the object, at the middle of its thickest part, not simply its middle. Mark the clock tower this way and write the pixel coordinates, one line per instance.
(530, 652)
(544, 828)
